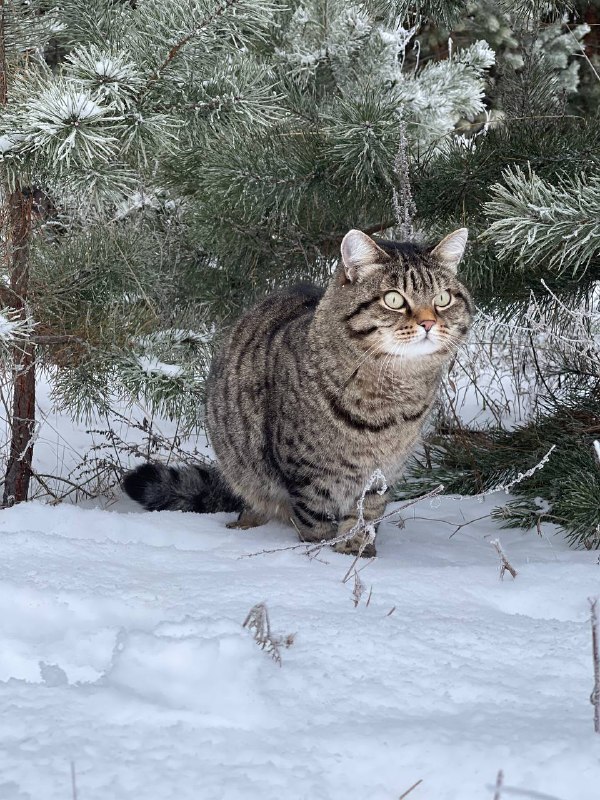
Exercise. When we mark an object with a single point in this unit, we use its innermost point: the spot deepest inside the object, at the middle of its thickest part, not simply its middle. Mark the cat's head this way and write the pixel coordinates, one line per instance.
(402, 299)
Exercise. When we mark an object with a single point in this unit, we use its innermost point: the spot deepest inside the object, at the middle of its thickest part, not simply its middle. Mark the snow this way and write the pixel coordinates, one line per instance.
(154, 366)
(6, 144)
(123, 652)
(10, 328)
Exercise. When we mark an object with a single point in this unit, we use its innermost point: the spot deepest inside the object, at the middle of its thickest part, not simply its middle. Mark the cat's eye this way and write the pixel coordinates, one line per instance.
(394, 300)
(442, 299)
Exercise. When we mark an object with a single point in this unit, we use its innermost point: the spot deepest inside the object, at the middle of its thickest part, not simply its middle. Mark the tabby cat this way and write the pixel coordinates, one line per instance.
(313, 390)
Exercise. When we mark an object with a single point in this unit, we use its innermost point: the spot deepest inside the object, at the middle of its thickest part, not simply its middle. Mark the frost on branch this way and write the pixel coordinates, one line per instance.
(363, 49)
(439, 95)
(107, 74)
(13, 328)
(65, 121)
(536, 223)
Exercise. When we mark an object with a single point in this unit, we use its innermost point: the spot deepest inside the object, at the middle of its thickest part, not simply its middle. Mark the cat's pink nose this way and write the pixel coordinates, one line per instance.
(427, 324)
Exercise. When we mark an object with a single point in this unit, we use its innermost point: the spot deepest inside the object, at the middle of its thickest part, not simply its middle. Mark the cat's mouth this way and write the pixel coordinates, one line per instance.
(420, 344)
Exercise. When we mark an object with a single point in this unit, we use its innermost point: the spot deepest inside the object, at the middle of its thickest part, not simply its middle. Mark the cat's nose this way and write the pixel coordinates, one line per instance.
(427, 324)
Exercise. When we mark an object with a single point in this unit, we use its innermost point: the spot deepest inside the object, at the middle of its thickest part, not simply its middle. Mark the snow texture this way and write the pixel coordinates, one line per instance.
(122, 651)
(8, 328)
(155, 367)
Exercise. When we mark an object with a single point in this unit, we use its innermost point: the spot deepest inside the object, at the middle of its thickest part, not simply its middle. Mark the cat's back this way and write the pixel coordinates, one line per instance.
(256, 331)
(258, 349)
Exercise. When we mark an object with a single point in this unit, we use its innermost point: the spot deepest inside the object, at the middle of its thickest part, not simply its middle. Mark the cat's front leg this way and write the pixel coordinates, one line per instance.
(313, 525)
(360, 542)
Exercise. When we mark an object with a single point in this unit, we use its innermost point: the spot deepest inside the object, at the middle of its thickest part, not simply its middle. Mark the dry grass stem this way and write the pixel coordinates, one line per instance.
(505, 564)
(73, 781)
(408, 791)
(499, 782)
(595, 696)
(358, 590)
(257, 621)
(313, 548)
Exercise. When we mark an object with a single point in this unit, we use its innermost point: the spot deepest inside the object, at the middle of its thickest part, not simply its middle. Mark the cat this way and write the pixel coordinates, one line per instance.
(315, 389)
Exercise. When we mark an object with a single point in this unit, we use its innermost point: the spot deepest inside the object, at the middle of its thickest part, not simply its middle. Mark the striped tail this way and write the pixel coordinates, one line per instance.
(193, 488)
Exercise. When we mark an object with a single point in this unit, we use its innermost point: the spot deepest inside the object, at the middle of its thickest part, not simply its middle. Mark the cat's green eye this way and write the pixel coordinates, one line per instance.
(394, 300)
(443, 299)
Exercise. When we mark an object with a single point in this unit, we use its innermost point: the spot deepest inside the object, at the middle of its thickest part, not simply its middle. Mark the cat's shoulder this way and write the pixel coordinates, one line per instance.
(290, 301)
(301, 293)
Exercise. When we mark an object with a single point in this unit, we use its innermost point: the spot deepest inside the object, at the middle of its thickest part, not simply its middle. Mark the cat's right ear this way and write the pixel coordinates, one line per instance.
(360, 257)
(451, 249)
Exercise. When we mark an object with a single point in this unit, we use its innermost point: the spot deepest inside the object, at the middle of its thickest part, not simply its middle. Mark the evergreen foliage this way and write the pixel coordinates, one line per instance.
(566, 491)
(175, 158)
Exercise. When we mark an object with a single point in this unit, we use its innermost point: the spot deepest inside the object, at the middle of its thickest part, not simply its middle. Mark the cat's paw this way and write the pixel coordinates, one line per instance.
(247, 519)
(360, 544)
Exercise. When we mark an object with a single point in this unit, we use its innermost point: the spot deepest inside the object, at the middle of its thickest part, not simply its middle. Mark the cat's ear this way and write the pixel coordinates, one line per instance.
(450, 250)
(360, 256)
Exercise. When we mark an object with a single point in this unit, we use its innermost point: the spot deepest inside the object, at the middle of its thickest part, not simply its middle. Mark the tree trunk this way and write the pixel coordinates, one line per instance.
(18, 228)
(17, 220)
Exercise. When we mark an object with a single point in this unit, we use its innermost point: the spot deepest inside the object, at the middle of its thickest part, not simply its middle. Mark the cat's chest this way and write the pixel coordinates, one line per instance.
(404, 401)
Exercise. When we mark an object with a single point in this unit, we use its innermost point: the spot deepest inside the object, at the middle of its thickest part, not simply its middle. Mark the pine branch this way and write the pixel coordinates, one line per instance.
(536, 223)
(207, 20)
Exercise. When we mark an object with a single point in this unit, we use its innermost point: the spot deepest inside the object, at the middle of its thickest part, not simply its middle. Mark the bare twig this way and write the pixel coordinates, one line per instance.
(73, 781)
(584, 54)
(504, 562)
(506, 487)
(499, 782)
(311, 548)
(595, 696)
(408, 791)
(352, 568)
(462, 525)
(198, 28)
(527, 793)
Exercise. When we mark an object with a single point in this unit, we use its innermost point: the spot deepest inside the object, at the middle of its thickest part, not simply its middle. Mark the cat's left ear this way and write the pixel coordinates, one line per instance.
(361, 256)
(451, 249)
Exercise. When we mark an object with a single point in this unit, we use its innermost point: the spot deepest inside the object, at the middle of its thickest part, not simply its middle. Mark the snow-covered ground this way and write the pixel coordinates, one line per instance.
(123, 652)
(123, 656)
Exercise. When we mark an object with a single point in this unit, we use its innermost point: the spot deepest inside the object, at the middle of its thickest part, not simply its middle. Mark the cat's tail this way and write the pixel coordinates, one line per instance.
(197, 488)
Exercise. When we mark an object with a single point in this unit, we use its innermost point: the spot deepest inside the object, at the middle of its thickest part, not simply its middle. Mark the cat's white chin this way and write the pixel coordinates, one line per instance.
(424, 346)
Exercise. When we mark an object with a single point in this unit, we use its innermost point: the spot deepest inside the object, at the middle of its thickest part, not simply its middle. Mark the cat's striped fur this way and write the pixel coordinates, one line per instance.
(313, 390)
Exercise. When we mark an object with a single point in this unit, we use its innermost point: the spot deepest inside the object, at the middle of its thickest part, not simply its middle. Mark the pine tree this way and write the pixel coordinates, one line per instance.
(93, 98)
(165, 160)
(283, 196)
